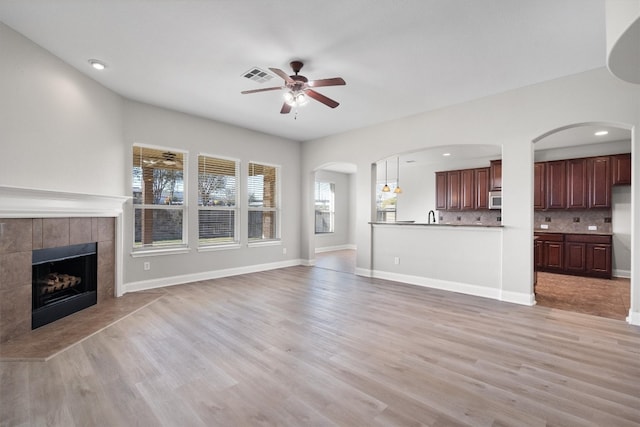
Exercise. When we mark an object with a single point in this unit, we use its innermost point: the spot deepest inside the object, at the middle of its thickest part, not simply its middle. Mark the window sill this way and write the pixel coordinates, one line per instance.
(222, 247)
(277, 242)
(159, 251)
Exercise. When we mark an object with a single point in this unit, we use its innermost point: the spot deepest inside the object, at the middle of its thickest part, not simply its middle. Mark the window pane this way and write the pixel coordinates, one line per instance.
(262, 186)
(216, 226)
(217, 181)
(324, 207)
(386, 203)
(262, 225)
(157, 177)
(158, 227)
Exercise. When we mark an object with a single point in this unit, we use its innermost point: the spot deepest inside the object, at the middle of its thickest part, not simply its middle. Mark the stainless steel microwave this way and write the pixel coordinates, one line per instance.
(495, 199)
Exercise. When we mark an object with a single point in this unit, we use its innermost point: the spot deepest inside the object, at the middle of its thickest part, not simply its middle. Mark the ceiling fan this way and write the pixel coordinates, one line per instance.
(299, 88)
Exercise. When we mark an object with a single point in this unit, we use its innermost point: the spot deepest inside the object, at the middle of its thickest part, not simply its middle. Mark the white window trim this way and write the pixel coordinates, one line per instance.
(239, 183)
(165, 249)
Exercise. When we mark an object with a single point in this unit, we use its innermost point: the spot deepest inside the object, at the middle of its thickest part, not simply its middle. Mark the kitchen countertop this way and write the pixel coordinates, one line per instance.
(593, 233)
(424, 224)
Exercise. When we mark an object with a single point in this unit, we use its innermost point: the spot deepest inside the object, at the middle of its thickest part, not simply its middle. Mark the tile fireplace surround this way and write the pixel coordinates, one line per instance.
(19, 236)
(33, 219)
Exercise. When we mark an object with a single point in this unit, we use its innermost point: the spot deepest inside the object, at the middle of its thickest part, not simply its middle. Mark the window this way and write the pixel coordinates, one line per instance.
(386, 203)
(158, 197)
(217, 207)
(262, 188)
(325, 207)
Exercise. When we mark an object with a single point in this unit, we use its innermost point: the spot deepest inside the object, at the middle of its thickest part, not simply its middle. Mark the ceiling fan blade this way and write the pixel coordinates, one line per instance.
(244, 92)
(282, 74)
(321, 98)
(336, 81)
(285, 108)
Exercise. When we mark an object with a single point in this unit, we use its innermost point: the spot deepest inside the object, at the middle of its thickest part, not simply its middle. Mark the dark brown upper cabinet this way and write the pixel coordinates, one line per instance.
(482, 188)
(539, 199)
(441, 190)
(453, 191)
(467, 189)
(577, 184)
(621, 168)
(496, 175)
(599, 182)
(556, 185)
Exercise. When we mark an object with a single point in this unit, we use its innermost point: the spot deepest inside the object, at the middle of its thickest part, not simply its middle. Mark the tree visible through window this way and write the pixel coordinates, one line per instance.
(325, 207)
(158, 197)
(262, 187)
(217, 207)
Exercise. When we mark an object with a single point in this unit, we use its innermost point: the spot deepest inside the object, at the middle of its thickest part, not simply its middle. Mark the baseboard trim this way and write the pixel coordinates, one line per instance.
(335, 248)
(626, 274)
(308, 262)
(206, 275)
(364, 272)
(463, 288)
(518, 298)
(634, 318)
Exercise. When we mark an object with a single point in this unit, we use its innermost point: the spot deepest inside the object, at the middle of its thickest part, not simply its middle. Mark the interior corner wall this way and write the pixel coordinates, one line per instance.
(339, 239)
(59, 129)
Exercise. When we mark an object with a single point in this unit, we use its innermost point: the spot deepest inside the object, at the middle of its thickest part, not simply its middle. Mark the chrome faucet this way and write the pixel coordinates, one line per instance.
(431, 212)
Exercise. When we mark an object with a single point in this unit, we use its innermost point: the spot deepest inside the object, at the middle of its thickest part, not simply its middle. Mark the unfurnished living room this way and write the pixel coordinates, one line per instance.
(338, 213)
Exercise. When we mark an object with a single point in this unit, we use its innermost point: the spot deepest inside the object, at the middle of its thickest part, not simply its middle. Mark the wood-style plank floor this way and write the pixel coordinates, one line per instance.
(312, 346)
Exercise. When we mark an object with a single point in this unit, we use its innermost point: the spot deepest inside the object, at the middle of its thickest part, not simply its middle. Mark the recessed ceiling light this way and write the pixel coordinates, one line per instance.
(601, 133)
(446, 154)
(98, 65)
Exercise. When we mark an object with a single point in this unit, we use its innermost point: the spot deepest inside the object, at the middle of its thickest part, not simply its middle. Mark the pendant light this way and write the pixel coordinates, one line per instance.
(386, 188)
(398, 190)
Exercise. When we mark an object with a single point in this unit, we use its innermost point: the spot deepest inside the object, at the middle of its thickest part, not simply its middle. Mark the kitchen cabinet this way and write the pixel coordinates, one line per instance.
(539, 199)
(573, 254)
(453, 191)
(556, 184)
(621, 169)
(441, 190)
(599, 173)
(495, 169)
(577, 184)
(467, 189)
(482, 188)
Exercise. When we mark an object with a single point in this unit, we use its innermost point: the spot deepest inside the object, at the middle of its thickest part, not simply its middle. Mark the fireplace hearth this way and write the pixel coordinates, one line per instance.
(64, 281)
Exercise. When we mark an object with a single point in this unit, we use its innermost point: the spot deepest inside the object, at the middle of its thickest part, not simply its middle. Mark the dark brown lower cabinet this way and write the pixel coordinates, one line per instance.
(576, 254)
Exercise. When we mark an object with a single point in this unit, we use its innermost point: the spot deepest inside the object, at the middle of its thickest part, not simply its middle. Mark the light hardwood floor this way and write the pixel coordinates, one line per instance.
(312, 346)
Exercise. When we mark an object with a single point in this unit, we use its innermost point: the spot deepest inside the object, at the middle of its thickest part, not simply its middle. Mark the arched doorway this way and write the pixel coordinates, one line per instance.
(582, 217)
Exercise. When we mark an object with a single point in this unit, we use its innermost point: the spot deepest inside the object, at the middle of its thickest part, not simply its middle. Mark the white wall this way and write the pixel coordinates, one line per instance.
(512, 120)
(146, 124)
(59, 130)
(340, 238)
(621, 227)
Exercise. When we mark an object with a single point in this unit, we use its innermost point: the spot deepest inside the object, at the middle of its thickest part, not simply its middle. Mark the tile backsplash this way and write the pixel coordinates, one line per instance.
(572, 221)
(493, 217)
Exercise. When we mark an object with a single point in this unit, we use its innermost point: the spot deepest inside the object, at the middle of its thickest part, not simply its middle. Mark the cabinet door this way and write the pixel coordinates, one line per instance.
(599, 182)
(556, 184)
(441, 190)
(553, 255)
(599, 260)
(575, 257)
(496, 175)
(538, 254)
(539, 199)
(577, 184)
(453, 190)
(467, 189)
(621, 169)
(482, 188)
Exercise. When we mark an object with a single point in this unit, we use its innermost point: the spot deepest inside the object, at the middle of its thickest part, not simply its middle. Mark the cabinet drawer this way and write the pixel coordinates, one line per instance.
(588, 238)
(555, 237)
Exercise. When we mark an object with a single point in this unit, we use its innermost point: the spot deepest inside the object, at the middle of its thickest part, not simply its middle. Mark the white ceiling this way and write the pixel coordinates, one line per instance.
(398, 57)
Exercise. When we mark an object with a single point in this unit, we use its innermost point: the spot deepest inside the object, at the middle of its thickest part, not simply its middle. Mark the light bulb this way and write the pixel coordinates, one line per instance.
(288, 98)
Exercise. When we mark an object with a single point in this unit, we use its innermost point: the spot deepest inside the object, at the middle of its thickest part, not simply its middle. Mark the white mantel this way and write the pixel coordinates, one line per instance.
(18, 202)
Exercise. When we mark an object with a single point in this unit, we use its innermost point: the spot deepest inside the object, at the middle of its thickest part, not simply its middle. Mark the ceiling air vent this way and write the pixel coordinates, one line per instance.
(258, 75)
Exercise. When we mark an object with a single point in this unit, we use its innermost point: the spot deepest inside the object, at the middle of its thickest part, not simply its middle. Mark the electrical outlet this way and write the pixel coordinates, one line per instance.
(396, 260)
(593, 227)
(147, 266)
(544, 226)
(284, 251)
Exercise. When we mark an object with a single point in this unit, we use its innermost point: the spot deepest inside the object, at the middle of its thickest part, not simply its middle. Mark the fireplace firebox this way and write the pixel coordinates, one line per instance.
(64, 281)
